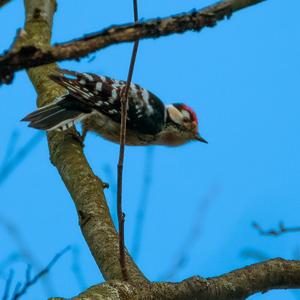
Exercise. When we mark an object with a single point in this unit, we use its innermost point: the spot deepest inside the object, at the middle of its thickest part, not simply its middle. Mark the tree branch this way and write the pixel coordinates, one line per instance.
(236, 285)
(239, 284)
(67, 155)
(31, 56)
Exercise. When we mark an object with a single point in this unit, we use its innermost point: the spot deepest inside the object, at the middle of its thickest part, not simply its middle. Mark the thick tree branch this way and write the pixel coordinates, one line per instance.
(31, 56)
(67, 155)
(237, 285)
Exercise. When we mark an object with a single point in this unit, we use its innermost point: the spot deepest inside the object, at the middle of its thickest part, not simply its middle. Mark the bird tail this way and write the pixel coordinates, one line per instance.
(59, 115)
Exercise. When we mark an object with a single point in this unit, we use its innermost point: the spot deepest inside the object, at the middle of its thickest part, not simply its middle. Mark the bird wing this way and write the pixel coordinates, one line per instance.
(146, 112)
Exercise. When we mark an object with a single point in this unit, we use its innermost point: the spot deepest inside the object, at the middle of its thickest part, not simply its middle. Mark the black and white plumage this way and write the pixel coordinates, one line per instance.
(96, 102)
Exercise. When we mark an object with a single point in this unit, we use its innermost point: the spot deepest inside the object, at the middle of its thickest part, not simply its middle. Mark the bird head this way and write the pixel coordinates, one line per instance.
(182, 123)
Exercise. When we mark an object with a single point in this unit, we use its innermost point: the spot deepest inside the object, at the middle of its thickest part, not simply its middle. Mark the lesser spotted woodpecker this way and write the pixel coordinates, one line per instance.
(96, 102)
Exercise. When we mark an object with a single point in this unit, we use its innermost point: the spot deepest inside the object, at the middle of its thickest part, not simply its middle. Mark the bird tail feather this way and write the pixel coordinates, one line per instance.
(55, 116)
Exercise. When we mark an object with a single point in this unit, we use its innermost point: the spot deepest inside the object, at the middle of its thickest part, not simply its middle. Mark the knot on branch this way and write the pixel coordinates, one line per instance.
(83, 219)
(36, 13)
(29, 50)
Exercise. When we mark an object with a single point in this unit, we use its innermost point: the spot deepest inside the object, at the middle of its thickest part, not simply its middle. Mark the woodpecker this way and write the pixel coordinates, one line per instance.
(96, 102)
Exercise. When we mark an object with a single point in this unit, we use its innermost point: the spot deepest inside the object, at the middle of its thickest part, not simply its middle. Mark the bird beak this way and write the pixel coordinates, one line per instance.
(200, 139)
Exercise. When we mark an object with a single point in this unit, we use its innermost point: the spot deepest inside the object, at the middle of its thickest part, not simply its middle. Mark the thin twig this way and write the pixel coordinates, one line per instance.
(24, 253)
(124, 104)
(16, 290)
(135, 12)
(15, 234)
(275, 232)
(8, 261)
(30, 282)
(11, 145)
(9, 165)
(8, 285)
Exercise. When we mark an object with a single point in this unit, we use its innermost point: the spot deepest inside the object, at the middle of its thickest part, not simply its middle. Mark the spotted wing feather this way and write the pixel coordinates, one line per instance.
(146, 112)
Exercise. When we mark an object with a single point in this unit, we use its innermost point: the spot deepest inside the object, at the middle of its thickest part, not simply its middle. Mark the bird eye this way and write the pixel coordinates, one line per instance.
(185, 119)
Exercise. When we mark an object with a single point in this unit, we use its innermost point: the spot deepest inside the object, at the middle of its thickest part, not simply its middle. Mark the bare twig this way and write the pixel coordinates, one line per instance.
(9, 165)
(275, 232)
(14, 232)
(8, 285)
(11, 145)
(124, 104)
(24, 252)
(32, 56)
(16, 289)
(29, 282)
(8, 261)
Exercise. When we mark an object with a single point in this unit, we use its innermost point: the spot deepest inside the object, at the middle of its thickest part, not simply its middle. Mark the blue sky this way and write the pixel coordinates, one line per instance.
(242, 79)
